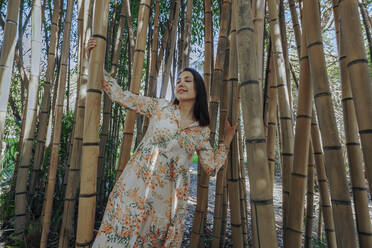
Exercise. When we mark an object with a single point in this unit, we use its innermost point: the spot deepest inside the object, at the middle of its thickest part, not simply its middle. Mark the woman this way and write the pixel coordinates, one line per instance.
(147, 205)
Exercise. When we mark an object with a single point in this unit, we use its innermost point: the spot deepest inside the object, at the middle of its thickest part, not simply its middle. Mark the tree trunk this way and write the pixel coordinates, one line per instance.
(263, 225)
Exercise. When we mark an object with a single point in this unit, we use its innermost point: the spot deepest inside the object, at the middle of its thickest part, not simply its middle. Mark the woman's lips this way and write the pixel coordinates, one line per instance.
(181, 91)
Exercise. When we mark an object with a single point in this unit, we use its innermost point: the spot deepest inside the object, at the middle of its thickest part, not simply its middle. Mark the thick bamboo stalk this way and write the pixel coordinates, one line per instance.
(221, 175)
(151, 91)
(355, 156)
(259, 26)
(218, 75)
(181, 37)
(301, 154)
(360, 77)
(90, 147)
(203, 181)
(234, 183)
(142, 24)
(128, 15)
(170, 53)
(187, 42)
(272, 118)
(45, 104)
(68, 223)
(48, 204)
(263, 226)
(341, 204)
(283, 37)
(242, 184)
(296, 26)
(310, 200)
(29, 126)
(6, 60)
(367, 26)
(325, 203)
(284, 105)
(208, 45)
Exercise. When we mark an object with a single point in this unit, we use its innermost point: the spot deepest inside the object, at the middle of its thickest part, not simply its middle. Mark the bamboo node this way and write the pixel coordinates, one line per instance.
(366, 131)
(255, 141)
(315, 43)
(255, 82)
(99, 36)
(331, 148)
(322, 94)
(341, 202)
(357, 61)
(262, 202)
(94, 91)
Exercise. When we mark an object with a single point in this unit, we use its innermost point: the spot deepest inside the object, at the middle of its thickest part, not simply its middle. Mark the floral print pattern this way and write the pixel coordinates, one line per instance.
(147, 205)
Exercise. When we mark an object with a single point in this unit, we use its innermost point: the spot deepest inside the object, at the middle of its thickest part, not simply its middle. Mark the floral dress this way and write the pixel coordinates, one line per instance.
(147, 205)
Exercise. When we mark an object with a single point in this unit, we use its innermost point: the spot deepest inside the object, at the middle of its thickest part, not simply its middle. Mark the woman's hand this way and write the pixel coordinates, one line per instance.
(229, 132)
(92, 43)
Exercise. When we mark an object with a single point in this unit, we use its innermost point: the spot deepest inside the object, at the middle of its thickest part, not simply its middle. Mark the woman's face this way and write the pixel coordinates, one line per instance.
(185, 89)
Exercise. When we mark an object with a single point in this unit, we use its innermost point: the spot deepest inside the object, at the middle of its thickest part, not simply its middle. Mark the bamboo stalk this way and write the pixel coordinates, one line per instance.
(45, 105)
(68, 223)
(360, 77)
(301, 154)
(259, 26)
(286, 124)
(170, 54)
(48, 204)
(29, 126)
(325, 202)
(151, 91)
(6, 60)
(310, 200)
(90, 146)
(355, 156)
(272, 117)
(221, 175)
(187, 42)
(341, 204)
(263, 226)
(218, 75)
(142, 24)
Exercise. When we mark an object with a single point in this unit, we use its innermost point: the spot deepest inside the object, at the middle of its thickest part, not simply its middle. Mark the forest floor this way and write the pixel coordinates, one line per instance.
(317, 242)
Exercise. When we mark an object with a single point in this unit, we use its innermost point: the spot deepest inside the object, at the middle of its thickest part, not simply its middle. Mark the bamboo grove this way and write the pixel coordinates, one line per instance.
(265, 65)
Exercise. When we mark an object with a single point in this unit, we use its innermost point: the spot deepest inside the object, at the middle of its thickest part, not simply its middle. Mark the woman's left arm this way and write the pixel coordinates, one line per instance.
(143, 105)
(211, 161)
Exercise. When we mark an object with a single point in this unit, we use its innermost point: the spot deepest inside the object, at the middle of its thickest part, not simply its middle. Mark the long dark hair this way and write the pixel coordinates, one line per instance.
(201, 105)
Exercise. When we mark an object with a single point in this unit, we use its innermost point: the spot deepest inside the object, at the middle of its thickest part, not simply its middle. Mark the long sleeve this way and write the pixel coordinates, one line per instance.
(210, 160)
(143, 105)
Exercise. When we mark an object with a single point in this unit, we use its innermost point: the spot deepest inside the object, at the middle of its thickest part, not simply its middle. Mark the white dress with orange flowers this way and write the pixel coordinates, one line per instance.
(147, 205)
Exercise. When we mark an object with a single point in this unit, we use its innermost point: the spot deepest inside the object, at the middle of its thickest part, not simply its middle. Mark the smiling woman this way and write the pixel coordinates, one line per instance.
(148, 203)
